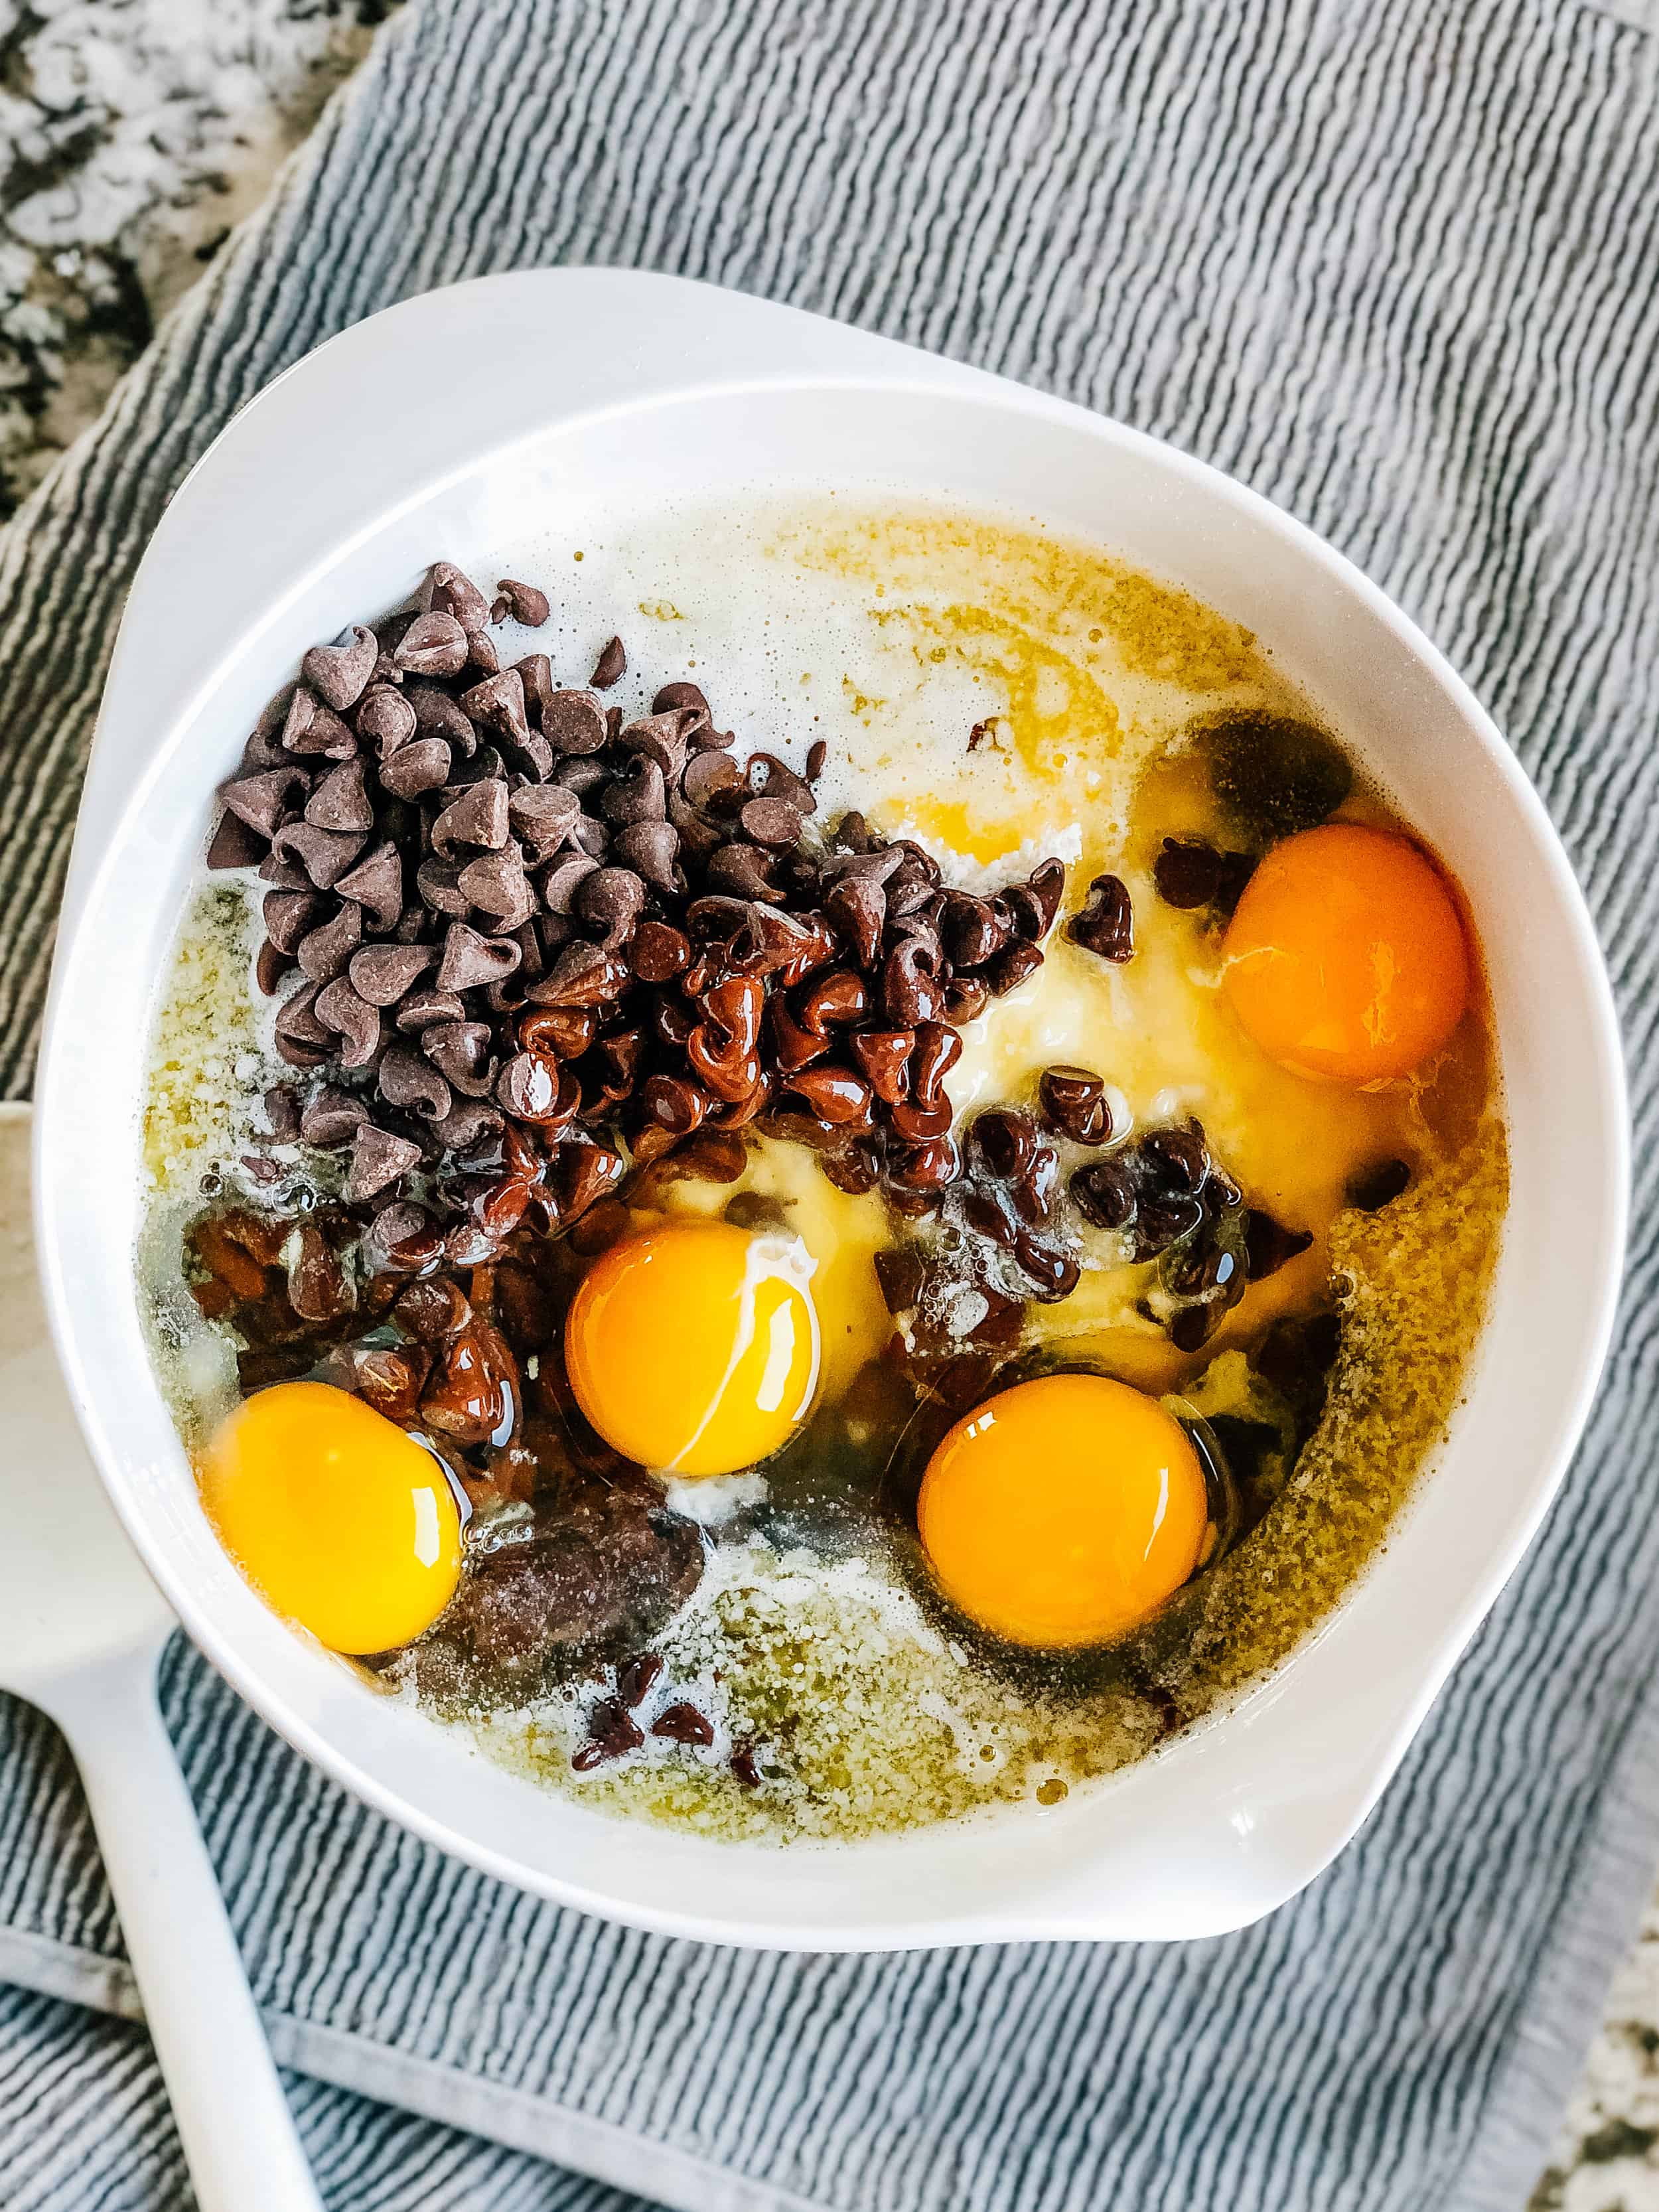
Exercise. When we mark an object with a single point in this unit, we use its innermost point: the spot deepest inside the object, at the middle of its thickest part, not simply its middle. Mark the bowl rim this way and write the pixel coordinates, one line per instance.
(741, 344)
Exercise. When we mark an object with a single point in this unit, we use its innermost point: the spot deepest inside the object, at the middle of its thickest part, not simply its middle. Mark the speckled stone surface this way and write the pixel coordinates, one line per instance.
(1607, 2154)
(133, 135)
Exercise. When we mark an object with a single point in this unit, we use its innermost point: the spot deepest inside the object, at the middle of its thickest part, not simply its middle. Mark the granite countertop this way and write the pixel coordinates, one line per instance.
(133, 135)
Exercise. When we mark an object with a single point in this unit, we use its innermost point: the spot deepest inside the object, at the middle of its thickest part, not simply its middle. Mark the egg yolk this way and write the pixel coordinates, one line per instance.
(342, 1521)
(1063, 1511)
(1346, 957)
(693, 1348)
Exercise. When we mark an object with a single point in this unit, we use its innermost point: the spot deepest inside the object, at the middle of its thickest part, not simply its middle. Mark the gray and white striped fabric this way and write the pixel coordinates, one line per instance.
(1395, 263)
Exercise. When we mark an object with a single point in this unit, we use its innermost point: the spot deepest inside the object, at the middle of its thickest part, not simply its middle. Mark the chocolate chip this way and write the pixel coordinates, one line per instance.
(938, 1050)
(768, 777)
(460, 1053)
(496, 884)
(499, 704)
(708, 776)
(1190, 1328)
(612, 1732)
(683, 1724)
(1105, 926)
(609, 666)
(582, 975)
(269, 970)
(1180, 1157)
(771, 822)
(356, 1023)
(659, 952)
(323, 951)
(332, 1117)
(925, 1167)
(885, 1057)
(910, 990)
(433, 645)
(378, 1159)
(640, 796)
(532, 1087)
(1006, 970)
(416, 769)
(469, 959)
(542, 814)
(313, 730)
(1074, 1102)
(434, 1312)
(324, 854)
(437, 715)
(986, 1209)
(233, 844)
(1162, 1221)
(438, 884)
(301, 1040)
(377, 884)
(1373, 1188)
(637, 1679)
(449, 591)
(1268, 1244)
(339, 672)
(1053, 1273)
(590, 835)
(408, 1080)
(966, 999)
(572, 722)
(836, 1095)
(743, 871)
(1187, 871)
(340, 800)
(971, 931)
(282, 1109)
(284, 874)
(651, 849)
(261, 801)
(817, 754)
(858, 908)
(385, 718)
(525, 603)
(609, 901)
(477, 817)
(318, 1289)
(560, 884)
(1031, 1192)
(421, 1009)
(661, 736)
(288, 916)
(1002, 1143)
(1047, 884)
(468, 1122)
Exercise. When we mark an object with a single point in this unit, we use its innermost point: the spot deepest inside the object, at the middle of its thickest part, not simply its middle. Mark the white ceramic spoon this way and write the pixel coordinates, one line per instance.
(82, 1627)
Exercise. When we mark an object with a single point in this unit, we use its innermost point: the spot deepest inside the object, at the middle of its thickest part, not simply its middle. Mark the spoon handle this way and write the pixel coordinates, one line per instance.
(233, 2120)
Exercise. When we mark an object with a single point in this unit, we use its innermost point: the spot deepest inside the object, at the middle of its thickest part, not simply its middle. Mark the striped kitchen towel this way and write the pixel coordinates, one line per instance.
(1395, 263)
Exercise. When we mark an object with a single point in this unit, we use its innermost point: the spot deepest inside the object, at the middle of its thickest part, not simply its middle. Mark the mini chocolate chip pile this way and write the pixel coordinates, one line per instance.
(497, 901)
(863, 1325)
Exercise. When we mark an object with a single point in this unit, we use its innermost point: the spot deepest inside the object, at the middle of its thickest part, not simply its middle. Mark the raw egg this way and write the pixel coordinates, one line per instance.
(693, 1348)
(345, 1524)
(1346, 957)
(1063, 1511)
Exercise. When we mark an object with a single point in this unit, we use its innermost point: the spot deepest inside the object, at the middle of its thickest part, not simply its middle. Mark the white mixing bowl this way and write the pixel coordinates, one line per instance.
(457, 422)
